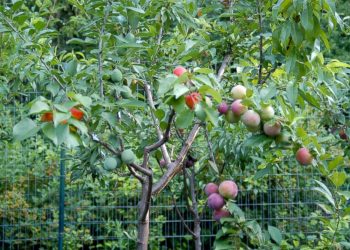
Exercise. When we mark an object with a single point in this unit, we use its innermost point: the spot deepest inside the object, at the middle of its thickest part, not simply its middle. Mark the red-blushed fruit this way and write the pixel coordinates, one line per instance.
(237, 108)
(162, 162)
(267, 113)
(64, 122)
(178, 71)
(215, 201)
(238, 92)
(192, 99)
(221, 213)
(251, 119)
(47, 117)
(342, 134)
(77, 113)
(223, 108)
(228, 189)
(272, 130)
(303, 156)
(211, 188)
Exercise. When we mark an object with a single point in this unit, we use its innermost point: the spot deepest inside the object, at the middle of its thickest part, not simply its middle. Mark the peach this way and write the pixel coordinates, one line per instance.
(228, 189)
(178, 71)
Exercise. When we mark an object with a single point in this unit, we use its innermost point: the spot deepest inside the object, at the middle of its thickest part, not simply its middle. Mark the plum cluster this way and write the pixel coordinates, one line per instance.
(237, 111)
(253, 120)
(217, 196)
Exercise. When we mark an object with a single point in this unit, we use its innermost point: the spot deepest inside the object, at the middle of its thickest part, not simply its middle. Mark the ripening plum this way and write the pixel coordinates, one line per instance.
(303, 156)
(223, 108)
(342, 134)
(215, 201)
(251, 119)
(238, 92)
(267, 113)
(238, 108)
(221, 213)
(272, 130)
(211, 188)
(228, 189)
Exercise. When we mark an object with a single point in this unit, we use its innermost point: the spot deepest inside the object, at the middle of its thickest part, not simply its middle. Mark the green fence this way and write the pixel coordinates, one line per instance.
(102, 215)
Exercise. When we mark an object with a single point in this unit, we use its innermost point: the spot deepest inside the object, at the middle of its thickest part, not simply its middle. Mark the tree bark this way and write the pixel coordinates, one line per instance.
(197, 220)
(143, 223)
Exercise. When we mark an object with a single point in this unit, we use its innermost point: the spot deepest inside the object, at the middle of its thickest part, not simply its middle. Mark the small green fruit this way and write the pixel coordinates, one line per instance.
(116, 75)
(128, 156)
(112, 163)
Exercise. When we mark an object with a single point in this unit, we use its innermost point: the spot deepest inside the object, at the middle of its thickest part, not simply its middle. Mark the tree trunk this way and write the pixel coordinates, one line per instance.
(143, 223)
(197, 220)
(197, 232)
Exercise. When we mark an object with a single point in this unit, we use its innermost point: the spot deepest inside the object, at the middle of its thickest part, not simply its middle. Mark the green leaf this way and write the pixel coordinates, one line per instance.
(325, 192)
(38, 107)
(203, 71)
(59, 117)
(257, 140)
(80, 125)
(212, 115)
(49, 131)
(307, 17)
(207, 90)
(138, 10)
(339, 160)
(338, 178)
(184, 119)
(310, 99)
(24, 129)
(180, 90)
(292, 93)
(110, 118)
(275, 234)
(261, 173)
(166, 85)
(83, 100)
(236, 211)
(131, 103)
(62, 133)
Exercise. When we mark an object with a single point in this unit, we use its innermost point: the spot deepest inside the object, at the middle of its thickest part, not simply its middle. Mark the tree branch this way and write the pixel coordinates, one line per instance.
(100, 49)
(182, 218)
(156, 122)
(175, 167)
(261, 54)
(147, 150)
(268, 74)
(225, 62)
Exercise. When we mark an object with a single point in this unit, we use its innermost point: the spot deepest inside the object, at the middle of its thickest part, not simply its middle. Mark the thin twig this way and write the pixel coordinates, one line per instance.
(261, 53)
(100, 48)
(150, 101)
(225, 62)
(182, 218)
(268, 74)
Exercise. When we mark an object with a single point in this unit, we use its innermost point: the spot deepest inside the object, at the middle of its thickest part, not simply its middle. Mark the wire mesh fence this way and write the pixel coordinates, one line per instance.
(104, 215)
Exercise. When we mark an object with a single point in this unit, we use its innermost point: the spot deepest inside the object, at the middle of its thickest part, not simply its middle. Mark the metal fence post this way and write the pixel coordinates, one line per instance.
(61, 199)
